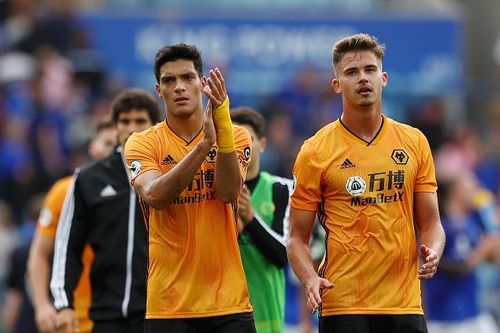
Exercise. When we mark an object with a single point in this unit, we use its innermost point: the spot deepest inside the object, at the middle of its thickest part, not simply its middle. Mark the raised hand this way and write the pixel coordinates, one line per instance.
(215, 88)
(208, 125)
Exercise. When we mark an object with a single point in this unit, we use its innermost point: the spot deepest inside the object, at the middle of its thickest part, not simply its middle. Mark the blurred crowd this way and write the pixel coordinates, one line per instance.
(54, 90)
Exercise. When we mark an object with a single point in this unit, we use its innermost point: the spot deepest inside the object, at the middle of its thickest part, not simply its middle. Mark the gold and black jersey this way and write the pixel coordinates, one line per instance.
(364, 195)
(195, 268)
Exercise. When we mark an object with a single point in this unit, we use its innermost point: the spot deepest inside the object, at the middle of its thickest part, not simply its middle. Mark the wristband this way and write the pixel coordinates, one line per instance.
(224, 128)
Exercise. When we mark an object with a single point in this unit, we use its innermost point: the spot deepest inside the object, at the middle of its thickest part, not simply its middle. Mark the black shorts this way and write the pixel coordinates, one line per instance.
(373, 324)
(239, 322)
(132, 324)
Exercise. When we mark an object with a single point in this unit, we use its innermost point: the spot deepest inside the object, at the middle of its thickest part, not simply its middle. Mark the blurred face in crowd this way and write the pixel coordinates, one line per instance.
(103, 143)
(360, 79)
(180, 88)
(135, 120)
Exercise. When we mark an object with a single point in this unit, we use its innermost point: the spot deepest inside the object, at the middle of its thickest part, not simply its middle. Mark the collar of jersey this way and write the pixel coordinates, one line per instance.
(354, 137)
(196, 138)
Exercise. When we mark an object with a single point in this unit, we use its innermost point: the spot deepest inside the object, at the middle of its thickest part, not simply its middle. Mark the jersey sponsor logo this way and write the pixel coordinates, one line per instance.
(381, 182)
(195, 198)
(400, 156)
(377, 199)
(45, 217)
(168, 160)
(135, 167)
(108, 191)
(347, 164)
(355, 186)
(211, 155)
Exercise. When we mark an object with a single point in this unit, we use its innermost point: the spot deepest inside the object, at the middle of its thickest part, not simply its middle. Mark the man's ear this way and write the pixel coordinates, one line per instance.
(336, 86)
(385, 79)
(263, 144)
(157, 88)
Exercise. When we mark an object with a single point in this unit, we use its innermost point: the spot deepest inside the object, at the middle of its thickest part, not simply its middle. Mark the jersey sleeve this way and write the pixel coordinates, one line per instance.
(243, 145)
(49, 215)
(426, 175)
(307, 177)
(141, 155)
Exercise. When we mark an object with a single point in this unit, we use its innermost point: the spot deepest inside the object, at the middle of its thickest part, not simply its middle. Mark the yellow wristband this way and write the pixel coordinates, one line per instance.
(224, 128)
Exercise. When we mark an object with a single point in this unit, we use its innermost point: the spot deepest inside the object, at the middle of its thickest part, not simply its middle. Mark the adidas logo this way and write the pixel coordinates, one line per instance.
(168, 160)
(108, 191)
(347, 164)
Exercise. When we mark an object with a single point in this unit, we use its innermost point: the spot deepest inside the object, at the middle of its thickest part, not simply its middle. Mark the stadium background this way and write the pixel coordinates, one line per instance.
(61, 62)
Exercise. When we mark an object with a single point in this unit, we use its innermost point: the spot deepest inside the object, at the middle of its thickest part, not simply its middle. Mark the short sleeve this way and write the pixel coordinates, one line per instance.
(307, 176)
(426, 176)
(49, 214)
(243, 145)
(141, 155)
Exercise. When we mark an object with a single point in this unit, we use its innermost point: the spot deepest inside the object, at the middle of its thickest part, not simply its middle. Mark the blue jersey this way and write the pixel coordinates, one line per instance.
(451, 297)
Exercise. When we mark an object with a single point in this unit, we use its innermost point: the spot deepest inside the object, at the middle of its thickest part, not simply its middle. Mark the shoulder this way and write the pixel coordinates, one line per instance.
(324, 138)
(61, 185)
(147, 135)
(404, 129)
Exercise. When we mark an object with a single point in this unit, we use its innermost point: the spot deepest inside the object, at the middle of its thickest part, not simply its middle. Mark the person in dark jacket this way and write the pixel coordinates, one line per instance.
(102, 209)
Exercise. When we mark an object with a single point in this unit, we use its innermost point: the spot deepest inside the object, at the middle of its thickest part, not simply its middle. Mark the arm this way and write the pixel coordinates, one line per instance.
(271, 242)
(431, 233)
(41, 250)
(299, 255)
(227, 173)
(158, 189)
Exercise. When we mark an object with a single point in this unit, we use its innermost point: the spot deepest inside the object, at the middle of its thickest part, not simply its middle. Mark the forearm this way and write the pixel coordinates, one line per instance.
(432, 235)
(270, 243)
(164, 189)
(300, 259)
(38, 274)
(227, 176)
(38, 268)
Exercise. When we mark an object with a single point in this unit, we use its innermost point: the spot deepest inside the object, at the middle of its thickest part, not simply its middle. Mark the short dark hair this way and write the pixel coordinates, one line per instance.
(247, 116)
(357, 42)
(104, 125)
(176, 52)
(135, 98)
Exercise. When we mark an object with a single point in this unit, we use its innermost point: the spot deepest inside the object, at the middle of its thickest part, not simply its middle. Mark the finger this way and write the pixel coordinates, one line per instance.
(313, 305)
(431, 257)
(221, 79)
(215, 92)
(76, 328)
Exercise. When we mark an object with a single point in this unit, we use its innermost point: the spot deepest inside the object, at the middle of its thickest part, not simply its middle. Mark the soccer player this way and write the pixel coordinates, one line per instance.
(367, 177)
(189, 170)
(103, 211)
(263, 221)
(42, 246)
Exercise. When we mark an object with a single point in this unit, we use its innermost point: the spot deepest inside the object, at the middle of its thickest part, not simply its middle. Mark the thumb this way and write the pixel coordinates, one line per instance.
(208, 109)
(324, 283)
(423, 250)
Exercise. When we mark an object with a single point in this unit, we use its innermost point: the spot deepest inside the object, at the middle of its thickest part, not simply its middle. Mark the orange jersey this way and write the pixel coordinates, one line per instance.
(364, 194)
(195, 268)
(47, 226)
